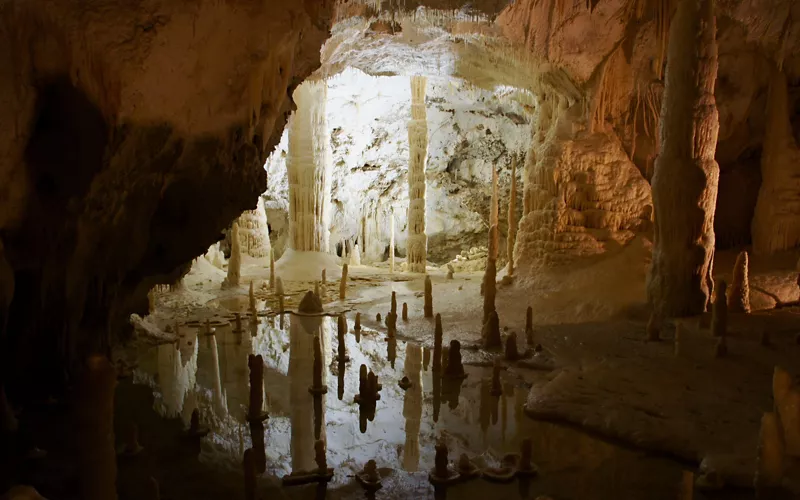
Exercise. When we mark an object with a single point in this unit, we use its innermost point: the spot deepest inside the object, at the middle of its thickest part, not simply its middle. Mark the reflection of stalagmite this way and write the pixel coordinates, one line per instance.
(412, 406)
(220, 403)
(235, 262)
(309, 167)
(417, 240)
(177, 375)
(93, 424)
(686, 175)
(512, 354)
(512, 218)
(301, 359)
(250, 481)
(256, 365)
(437, 344)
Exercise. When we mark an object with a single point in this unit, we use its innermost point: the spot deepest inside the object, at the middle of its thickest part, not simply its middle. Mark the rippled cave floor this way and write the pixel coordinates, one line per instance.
(609, 415)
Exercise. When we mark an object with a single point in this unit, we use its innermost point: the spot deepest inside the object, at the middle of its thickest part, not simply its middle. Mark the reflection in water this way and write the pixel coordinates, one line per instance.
(412, 406)
(478, 423)
(391, 347)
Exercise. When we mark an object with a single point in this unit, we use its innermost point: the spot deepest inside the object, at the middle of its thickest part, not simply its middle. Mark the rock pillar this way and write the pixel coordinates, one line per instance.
(309, 168)
(686, 175)
(253, 231)
(417, 241)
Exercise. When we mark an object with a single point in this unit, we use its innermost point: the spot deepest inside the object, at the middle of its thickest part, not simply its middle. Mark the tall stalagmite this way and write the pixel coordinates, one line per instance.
(235, 262)
(512, 218)
(739, 293)
(494, 218)
(776, 225)
(417, 241)
(686, 174)
(309, 168)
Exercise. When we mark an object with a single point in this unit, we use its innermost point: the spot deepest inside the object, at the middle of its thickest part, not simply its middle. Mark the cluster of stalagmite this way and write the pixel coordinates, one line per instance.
(686, 174)
(235, 262)
(776, 225)
(417, 241)
(309, 166)
(254, 232)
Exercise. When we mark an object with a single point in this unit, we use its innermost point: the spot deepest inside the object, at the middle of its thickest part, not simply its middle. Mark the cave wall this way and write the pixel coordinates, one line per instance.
(131, 134)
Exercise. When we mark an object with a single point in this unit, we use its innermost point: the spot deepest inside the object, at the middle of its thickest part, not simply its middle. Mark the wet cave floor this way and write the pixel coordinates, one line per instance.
(165, 379)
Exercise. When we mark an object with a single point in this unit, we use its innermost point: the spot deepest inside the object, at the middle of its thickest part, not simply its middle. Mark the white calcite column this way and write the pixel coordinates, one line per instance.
(309, 168)
(417, 241)
(686, 175)
(254, 232)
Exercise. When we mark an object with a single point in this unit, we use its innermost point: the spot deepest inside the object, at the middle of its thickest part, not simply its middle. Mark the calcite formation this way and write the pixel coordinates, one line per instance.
(491, 332)
(417, 240)
(428, 306)
(739, 291)
(512, 218)
(309, 168)
(254, 232)
(775, 223)
(686, 174)
(235, 262)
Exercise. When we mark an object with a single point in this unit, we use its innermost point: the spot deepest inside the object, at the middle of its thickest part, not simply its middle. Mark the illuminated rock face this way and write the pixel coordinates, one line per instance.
(417, 241)
(686, 174)
(309, 170)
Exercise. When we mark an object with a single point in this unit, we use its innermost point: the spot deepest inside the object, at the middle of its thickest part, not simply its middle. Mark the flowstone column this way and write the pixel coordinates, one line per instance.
(686, 175)
(309, 168)
(417, 242)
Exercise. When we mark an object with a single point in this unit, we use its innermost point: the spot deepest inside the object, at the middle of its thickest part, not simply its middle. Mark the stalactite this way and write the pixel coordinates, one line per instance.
(309, 166)
(686, 175)
(417, 240)
(512, 217)
(776, 225)
(235, 262)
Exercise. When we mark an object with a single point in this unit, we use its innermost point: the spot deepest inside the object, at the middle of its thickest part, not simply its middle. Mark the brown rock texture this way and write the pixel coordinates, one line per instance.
(131, 134)
(686, 173)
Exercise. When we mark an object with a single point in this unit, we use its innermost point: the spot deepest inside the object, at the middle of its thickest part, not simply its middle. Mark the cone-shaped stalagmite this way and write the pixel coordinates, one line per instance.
(512, 218)
(491, 332)
(343, 283)
(512, 354)
(405, 311)
(686, 175)
(437, 344)
(235, 262)
(357, 326)
(489, 286)
(417, 240)
(393, 306)
(428, 297)
(739, 292)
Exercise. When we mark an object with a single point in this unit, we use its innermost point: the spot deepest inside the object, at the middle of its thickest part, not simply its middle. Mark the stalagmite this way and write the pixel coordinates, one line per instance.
(405, 311)
(343, 283)
(769, 472)
(417, 240)
(252, 298)
(775, 225)
(324, 276)
(490, 277)
(428, 297)
(93, 425)
(235, 262)
(454, 366)
(341, 330)
(450, 271)
(512, 218)
(393, 306)
(355, 256)
(719, 313)
(686, 175)
(391, 241)
(491, 332)
(358, 322)
(511, 347)
(309, 165)
(437, 344)
(739, 294)
(271, 268)
(279, 287)
(529, 326)
(494, 219)
(378, 317)
(254, 231)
